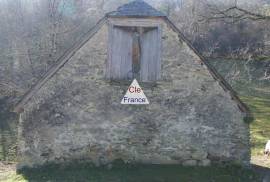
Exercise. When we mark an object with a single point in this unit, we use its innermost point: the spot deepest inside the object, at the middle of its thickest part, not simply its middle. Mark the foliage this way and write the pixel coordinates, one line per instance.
(221, 37)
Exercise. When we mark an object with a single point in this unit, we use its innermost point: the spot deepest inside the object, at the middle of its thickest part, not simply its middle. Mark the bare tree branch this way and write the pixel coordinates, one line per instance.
(234, 13)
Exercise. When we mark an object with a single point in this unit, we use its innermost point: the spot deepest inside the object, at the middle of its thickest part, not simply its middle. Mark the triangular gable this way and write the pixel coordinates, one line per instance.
(70, 52)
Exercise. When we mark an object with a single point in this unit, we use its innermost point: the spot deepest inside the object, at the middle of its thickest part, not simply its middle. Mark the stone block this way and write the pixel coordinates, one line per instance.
(204, 163)
(189, 163)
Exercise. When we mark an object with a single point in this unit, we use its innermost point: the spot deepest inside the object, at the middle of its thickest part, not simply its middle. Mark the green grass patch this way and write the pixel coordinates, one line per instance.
(262, 58)
(11, 176)
(244, 76)
(260, 128)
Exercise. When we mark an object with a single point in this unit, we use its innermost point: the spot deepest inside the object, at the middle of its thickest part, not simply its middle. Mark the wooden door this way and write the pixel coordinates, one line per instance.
(150, 55)
(119, 65)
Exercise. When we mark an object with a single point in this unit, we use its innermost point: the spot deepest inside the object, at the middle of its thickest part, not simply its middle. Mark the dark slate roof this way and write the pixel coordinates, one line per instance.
(137, 8)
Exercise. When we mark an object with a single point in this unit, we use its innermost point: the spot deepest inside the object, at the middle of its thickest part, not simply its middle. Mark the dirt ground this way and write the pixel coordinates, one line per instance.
(263, 161)
(6, 169)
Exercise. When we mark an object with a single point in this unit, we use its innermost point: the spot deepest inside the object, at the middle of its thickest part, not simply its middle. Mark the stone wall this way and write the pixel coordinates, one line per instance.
(77, 115)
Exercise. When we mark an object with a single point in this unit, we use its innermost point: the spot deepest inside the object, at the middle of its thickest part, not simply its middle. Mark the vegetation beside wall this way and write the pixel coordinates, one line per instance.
(246, 79)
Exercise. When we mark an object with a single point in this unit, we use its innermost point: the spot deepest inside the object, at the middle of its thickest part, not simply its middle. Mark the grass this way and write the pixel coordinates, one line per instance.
(11, 176)
(245, 79)
(138, 173)
(260, 128)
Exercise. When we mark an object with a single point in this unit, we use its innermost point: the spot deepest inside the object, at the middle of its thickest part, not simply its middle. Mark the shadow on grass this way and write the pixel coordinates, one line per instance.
(119, 172)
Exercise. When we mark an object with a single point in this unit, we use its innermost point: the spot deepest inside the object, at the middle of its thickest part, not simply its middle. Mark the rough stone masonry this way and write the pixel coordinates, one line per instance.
(77, 115)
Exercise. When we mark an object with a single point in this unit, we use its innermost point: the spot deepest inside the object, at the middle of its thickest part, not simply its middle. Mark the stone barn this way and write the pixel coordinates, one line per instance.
(75, 113)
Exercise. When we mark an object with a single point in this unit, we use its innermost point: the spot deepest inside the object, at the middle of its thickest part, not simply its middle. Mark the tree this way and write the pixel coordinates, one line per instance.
(234, 13)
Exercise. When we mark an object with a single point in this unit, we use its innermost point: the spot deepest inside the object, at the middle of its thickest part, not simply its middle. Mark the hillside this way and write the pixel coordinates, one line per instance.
(245, 78)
